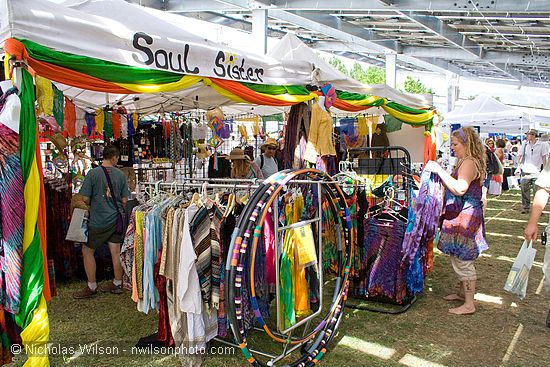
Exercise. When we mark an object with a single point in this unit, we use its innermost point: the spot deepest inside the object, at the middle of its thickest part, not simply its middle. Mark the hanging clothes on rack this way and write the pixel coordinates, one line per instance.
(424, 217)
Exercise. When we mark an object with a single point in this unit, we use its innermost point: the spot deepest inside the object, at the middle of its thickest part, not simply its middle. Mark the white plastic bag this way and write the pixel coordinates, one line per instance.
(78, 228)
(513, 183)
(495, 188)
(516, 283)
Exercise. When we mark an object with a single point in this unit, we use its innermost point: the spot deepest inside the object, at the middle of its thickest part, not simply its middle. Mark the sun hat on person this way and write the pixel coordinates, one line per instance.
(532, 132)
(270, 142)
(237, 154)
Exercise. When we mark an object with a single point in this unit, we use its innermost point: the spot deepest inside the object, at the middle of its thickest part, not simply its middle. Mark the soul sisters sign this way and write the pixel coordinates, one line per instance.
(223, 65)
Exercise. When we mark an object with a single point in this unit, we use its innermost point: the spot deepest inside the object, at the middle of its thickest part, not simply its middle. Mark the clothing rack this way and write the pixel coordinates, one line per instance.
(395, 162)
(248, 184)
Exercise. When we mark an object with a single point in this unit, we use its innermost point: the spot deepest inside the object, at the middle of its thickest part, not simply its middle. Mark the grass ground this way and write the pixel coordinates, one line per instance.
(505, 331)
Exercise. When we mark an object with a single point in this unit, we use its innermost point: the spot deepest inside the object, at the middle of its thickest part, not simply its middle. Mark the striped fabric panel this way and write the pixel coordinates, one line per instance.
(12, 212)
(205, 227)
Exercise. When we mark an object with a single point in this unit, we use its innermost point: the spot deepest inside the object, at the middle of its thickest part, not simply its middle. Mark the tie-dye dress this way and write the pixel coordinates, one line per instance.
(463, 228)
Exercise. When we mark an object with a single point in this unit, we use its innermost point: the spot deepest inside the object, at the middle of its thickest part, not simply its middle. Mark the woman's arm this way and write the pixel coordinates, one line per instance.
(466, 174)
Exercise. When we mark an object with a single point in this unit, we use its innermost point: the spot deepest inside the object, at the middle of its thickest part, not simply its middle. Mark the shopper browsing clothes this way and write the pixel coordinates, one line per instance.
(267, 161)
(242, 166)
(539, 202)
(462, 230)
(532, 156)
(102, 188)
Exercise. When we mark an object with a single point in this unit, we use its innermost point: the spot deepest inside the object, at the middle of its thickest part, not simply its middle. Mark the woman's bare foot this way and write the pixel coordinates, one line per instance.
(463, 310)
(453, 297)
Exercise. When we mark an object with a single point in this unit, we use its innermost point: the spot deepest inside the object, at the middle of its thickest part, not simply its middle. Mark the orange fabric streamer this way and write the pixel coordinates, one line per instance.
(248, 94)
(429, 149)
(42, 225)
(61, 74)
(117, 124)
(70, 118)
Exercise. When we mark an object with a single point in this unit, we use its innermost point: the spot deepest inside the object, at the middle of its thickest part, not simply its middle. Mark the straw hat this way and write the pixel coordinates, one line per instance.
(236, 154)
(270, 142)
(202, 151)
(532, 132)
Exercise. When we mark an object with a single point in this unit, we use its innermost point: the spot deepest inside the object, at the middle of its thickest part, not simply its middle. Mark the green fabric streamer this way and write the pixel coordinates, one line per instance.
(104, 70)
(295, 90)
(108, 126)
(32, 277)
(349, 96)
(405, 109)
(58, 106)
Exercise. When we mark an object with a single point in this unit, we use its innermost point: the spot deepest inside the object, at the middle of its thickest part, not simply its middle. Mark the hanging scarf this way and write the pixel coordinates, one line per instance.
(58, 108)
(69, 120)
(80, 121)
(116, 123)
(44, 95)
(108, 126)
(90, 123)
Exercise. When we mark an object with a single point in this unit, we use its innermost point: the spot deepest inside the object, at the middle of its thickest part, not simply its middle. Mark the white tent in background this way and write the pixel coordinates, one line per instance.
(291, 48)
(490, 115)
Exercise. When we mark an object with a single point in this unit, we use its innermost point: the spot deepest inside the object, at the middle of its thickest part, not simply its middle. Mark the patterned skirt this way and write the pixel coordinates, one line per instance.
(463, 235)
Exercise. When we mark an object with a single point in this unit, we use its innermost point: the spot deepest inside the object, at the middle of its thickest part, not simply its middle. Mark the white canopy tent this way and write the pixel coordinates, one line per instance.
(291, 49)
(128, 34)
(490, 115)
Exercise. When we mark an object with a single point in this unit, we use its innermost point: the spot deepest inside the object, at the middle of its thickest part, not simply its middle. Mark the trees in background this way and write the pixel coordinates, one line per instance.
(376, 75)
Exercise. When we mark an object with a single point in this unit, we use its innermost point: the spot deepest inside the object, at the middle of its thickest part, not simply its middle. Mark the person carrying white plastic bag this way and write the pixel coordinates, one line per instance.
(531, 231)
(518, 277)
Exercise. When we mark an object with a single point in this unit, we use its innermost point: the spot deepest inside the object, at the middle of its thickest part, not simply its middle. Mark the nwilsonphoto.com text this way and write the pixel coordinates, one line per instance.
(99, 349)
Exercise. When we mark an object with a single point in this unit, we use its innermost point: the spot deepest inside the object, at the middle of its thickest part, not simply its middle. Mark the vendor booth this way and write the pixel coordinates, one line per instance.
(97, 69)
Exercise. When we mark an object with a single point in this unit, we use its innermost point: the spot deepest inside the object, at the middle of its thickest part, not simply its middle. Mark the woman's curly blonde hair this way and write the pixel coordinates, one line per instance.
(474, 149)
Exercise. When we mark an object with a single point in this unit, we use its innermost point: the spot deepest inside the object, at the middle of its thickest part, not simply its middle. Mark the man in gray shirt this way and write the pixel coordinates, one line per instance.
(103, 220)
(267, 161)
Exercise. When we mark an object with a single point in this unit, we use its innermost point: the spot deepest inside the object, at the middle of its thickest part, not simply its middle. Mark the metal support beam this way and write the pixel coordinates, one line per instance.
(455, 54)
(259, 30)
(456, 38)
(391, 70)
(452, 90)
(417, 5)
(441, 29)
(533, 6)
(337, 28)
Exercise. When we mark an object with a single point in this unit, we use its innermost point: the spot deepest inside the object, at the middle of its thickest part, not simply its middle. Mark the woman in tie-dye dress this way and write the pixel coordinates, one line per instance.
(462, 234)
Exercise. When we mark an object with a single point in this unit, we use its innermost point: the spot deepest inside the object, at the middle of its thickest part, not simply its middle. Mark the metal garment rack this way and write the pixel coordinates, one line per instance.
(286, 334)
(393, 161)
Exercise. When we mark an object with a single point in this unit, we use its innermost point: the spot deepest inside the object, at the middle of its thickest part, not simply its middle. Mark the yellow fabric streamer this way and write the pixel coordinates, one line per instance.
(36, 334)
(184, 83)
(410, 118)
(99, 120)
(7, 65)
(44, 95)
(35, 337)
(366, 101)
(31, 192)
